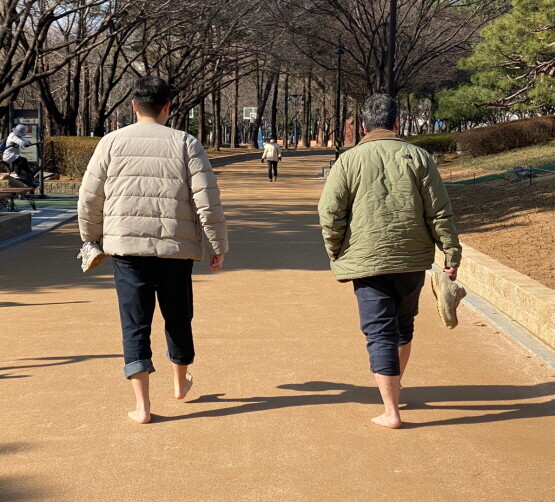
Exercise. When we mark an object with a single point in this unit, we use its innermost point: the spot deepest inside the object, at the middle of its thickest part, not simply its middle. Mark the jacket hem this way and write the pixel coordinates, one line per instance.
(371, 273)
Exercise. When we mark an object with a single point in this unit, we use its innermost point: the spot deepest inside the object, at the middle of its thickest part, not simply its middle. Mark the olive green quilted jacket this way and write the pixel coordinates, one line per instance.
(383, 208)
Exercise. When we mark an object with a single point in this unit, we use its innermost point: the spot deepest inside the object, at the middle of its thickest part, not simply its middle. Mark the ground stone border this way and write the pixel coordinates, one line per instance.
(14, 224)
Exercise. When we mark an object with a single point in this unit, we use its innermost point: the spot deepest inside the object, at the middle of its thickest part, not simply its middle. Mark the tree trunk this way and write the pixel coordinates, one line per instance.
(273, 119)
(409, 114)
(262, 101)
(201, 135)
(307, 111)
(86, 105)
(216, 120)
(358, 124)
(323, 121)
(431, 122)
(235, 112)
(286, 112)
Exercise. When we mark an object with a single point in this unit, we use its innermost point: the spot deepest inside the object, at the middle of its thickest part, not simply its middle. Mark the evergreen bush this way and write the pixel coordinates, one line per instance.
(435, 143)
(507, 136)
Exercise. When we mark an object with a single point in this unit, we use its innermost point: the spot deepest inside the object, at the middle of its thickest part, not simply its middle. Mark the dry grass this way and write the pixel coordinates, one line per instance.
(532, 156)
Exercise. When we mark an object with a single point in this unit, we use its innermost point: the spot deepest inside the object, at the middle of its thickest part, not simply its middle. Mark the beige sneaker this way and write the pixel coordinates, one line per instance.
(91, 255)
(448, 294)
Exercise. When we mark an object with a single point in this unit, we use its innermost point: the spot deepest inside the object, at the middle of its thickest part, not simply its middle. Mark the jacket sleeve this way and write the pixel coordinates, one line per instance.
(90, 208)
(206, 196)
(14, 139)
(439, 215)
(333, 209)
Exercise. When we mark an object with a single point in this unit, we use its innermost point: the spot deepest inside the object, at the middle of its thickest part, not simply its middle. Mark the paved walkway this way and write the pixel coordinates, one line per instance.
(42, 220)
(282, 400)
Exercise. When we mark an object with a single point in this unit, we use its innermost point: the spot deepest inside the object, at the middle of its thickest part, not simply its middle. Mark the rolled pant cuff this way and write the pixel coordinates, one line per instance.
(181, 362)
(137, 367)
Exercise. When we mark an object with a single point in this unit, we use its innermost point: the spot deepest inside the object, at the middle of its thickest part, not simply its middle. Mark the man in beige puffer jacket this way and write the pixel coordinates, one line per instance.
(383, 210)
(149, 196)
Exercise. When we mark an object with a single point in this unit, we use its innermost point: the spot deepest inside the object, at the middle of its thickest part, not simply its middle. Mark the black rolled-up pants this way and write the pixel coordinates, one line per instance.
(387, 306)
(139, 281)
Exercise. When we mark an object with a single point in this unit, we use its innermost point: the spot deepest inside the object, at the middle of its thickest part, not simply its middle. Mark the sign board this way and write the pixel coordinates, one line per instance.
(249, 112)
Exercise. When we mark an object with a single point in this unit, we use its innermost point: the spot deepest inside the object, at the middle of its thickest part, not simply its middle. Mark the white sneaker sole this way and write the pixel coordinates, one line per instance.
(93, 262)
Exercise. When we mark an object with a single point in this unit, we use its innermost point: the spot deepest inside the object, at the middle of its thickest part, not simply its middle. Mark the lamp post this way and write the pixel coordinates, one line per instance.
(339, 50)
(391, 48)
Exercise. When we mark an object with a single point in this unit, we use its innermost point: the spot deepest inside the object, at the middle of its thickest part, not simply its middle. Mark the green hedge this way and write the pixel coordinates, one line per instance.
(435, 143)
(507, 136)
(71, 153)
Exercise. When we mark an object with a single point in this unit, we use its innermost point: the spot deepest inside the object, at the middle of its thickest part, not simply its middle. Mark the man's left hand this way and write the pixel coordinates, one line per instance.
(216, 262)
(451, 272)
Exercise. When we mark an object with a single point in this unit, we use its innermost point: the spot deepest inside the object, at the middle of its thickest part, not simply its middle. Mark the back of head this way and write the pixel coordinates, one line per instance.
(19, 130)
(151, 94)
(379, 112)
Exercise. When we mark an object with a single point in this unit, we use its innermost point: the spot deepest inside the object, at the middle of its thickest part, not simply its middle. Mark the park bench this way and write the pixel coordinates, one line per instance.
(5, 199)
(8, 196)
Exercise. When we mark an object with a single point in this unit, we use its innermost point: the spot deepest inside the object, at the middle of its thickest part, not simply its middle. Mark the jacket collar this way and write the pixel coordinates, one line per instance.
(380, 134)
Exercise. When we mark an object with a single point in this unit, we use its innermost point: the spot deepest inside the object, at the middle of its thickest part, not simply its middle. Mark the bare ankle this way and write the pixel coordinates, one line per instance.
(140, 415)
(183, 381)
(390, 420)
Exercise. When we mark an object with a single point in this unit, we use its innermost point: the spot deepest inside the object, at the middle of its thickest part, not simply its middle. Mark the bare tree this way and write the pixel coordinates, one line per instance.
(427, 30)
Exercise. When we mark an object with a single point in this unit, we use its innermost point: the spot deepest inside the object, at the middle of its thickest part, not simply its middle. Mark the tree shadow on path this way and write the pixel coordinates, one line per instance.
(414, 398)
(19, 304)
(53, 361)
(17, 487)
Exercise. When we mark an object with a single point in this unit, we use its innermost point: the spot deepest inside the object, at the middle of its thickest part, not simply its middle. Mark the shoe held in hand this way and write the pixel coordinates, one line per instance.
(448, 295)
(91, 255)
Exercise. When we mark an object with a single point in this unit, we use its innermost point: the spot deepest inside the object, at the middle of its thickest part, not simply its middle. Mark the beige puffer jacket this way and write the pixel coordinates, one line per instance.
(150, 191)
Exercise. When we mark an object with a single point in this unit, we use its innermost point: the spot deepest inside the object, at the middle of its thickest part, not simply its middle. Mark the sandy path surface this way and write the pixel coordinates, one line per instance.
(282, 400)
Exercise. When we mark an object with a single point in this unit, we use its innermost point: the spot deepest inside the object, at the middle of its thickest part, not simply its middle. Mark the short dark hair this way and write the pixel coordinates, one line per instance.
(151, 94)
(379, 112)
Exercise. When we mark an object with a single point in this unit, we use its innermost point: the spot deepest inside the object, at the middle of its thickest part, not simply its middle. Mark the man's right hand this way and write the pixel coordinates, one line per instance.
(216, 262)
(451, 272)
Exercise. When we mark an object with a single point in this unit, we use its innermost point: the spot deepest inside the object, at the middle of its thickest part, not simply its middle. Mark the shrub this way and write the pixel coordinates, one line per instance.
(435, 143)
(71, 153)
(507, 136)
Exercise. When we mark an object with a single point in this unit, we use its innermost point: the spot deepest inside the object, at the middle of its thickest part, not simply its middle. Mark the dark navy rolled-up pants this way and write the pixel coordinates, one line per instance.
(139, 280)
(387, 306)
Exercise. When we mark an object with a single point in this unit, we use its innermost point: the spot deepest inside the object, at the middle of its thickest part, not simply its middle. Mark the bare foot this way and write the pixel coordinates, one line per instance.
(391, 421)
(140, 416)
(182, 384)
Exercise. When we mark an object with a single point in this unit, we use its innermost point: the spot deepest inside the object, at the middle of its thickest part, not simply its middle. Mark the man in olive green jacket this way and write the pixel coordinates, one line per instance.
(383, 209)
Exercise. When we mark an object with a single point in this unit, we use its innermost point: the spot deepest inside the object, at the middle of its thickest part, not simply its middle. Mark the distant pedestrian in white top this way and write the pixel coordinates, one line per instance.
(272, 154)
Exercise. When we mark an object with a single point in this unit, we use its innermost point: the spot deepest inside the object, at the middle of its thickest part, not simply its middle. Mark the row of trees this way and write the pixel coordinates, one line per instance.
(79, 58)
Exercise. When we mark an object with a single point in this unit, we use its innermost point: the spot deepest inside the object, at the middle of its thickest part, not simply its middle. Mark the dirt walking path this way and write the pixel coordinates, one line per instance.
(282, 400)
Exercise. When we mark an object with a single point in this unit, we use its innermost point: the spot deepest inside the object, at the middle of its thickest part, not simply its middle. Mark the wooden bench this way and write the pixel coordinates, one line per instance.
(12, 193)
(5, 199)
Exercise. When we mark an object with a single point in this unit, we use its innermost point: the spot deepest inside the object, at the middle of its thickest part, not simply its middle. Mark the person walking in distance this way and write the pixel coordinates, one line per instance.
(147, 198)
(272, 155)
(382, 211)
